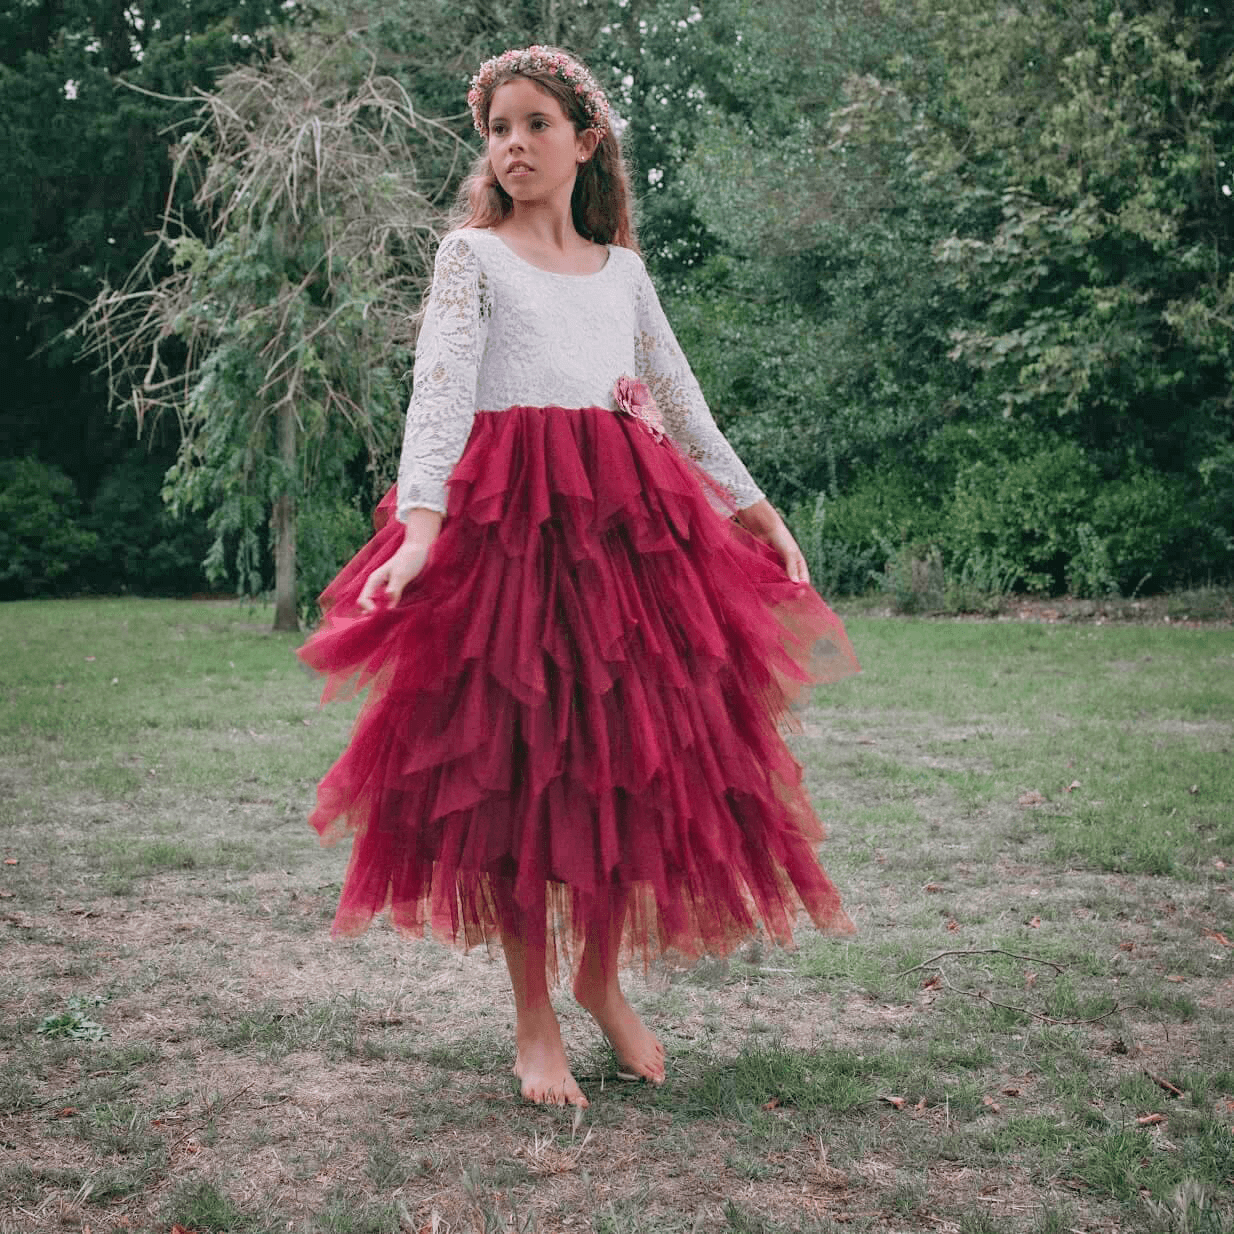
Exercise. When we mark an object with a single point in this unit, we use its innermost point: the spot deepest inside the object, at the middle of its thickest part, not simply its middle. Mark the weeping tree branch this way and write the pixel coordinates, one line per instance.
(278, 333)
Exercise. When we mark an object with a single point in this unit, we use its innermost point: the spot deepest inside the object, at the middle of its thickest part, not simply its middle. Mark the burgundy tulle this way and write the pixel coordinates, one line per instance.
(578, 698)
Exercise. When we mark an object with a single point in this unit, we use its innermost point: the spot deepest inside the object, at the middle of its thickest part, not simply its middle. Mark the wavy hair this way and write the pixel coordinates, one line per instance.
(601, 204)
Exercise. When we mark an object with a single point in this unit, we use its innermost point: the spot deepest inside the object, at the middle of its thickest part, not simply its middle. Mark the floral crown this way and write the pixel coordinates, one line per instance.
(541, 60)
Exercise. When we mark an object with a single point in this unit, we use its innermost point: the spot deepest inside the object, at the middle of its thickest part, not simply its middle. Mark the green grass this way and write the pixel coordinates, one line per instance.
(160, 760)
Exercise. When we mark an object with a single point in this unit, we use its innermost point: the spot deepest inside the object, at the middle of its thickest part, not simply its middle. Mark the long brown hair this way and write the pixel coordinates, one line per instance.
(600, 205)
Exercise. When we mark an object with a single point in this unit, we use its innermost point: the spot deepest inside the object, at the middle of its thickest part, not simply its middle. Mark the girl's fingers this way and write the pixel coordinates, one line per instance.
(371, 584)
(394, 589)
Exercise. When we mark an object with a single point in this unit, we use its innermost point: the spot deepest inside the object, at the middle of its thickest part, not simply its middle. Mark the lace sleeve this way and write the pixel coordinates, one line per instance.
(662, 366)
(443, 400)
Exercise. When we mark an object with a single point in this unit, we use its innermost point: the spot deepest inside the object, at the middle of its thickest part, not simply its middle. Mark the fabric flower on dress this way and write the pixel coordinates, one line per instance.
(633, 397)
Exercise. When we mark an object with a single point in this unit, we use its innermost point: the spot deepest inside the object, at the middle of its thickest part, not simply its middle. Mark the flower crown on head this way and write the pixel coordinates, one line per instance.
(541, 60)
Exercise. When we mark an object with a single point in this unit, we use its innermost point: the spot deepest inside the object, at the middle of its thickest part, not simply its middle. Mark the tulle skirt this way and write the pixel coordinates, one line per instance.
(577, 704)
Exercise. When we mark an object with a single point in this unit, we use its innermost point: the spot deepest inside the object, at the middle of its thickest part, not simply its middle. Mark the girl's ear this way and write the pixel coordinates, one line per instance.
(585, 143)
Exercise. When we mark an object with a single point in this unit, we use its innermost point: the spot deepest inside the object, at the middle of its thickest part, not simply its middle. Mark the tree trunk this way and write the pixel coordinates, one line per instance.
(285, 529)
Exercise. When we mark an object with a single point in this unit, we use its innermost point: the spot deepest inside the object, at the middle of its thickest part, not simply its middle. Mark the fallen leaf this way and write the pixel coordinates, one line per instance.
(773, 1104)
(1195, 788)
(921, 1105)
(1174, 977)
(7, 895)
(933, 888)
(1034, 923)
(1126, 946)
(1011, 1092)
(898, 1102)
(67, 1112)
(1030, 980)
(991, 1105)
(10, 861)
(1217, 937)
(932, 983)
(1119, 1046)
(1032, 798)
(115, 681)
(952, 923)
(1073, 785)
(1221, 865)
(1150, 1120)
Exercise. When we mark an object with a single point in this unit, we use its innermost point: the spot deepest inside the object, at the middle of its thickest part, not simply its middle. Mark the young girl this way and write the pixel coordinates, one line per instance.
(577, 659)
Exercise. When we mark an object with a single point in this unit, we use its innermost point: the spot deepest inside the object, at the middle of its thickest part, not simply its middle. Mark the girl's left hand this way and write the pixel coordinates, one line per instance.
(764, 521)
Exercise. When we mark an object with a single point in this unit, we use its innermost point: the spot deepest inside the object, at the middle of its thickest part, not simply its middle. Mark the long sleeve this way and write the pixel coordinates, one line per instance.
(662, 366)
(448, 353)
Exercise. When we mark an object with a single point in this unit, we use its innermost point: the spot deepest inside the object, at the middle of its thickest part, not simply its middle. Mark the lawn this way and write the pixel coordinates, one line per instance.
(1033, 826)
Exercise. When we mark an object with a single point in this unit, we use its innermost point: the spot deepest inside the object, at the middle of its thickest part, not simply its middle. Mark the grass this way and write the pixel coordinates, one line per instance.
(1030, 821)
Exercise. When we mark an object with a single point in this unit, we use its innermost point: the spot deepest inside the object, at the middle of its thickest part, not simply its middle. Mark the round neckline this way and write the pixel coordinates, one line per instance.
(561, 274)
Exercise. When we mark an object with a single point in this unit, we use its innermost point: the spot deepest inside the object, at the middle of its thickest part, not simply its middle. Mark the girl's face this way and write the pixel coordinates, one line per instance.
(532, 145)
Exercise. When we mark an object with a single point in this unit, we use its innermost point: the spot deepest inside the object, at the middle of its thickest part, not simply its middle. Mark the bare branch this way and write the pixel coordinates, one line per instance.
(1058, 968)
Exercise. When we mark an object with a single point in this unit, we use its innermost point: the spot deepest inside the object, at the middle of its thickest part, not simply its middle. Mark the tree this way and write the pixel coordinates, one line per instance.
(279, 338)
(84, 176)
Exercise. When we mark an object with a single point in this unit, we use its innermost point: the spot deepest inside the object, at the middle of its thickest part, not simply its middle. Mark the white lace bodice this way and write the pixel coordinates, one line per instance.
(499, 332)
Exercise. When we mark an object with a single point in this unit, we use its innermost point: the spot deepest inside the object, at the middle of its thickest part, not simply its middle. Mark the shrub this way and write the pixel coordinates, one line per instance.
(327, 536)
(1156, 534)
(1025, 511)
(42, 544)
(142, 546)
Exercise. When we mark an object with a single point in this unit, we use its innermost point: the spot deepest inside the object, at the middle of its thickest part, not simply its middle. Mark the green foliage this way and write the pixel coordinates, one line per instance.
(74, 1022)
(327, 535)
(142, 546)
(43, 547)
(1025, 509)
(885, 271)
(962, 268)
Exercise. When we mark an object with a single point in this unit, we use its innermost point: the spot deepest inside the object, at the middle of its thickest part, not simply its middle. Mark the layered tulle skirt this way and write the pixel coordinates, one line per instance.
(577, 704)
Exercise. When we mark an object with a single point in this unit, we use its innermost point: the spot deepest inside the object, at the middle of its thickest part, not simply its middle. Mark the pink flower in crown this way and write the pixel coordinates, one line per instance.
(633, 397)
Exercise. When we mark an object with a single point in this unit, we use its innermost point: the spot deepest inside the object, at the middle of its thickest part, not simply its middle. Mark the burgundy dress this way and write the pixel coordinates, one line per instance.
(580, 696)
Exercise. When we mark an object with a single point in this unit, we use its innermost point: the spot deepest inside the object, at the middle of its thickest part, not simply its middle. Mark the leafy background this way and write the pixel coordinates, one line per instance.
(955, 276)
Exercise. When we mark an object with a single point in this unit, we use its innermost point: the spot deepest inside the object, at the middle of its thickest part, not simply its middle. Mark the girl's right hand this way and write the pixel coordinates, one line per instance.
(392, 576)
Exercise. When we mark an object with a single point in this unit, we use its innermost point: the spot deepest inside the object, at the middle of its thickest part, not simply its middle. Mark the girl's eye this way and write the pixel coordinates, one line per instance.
(539, 124)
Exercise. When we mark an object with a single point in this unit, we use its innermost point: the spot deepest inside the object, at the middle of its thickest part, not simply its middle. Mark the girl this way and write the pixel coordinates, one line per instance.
(577, 661)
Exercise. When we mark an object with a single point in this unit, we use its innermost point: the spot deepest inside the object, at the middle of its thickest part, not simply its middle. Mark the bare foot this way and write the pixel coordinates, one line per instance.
(639, 1052)
(541, 1065)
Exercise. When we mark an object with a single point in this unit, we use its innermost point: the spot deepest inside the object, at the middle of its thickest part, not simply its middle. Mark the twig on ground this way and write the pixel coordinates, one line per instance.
(1169, 1088)
(1032, 959)
(214, 1113)
(1036, 1015)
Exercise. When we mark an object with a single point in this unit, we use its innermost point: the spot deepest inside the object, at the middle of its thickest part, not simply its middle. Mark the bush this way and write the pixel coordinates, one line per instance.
(43, 547)
(1025, 511)
(327, 536)
(142, 547)
(1156, 534)
(837, 568)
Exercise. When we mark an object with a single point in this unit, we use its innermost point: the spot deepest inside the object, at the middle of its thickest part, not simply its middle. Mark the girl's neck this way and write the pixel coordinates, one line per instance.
(543, 226)
(546, 237)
